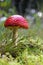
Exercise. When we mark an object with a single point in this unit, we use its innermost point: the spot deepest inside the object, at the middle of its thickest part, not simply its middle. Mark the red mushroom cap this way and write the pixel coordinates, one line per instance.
(16, 20)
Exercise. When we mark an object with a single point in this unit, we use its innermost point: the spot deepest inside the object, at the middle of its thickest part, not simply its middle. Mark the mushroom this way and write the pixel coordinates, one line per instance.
(15, 22)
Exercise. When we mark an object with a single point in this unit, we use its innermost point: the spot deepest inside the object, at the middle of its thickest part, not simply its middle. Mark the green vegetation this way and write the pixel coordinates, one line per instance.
(29, 50)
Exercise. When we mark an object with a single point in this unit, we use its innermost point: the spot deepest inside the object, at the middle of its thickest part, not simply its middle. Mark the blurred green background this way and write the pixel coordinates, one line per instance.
(29, 51)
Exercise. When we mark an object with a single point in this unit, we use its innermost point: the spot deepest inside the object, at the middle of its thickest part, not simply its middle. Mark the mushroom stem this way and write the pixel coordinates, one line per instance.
(15, 35)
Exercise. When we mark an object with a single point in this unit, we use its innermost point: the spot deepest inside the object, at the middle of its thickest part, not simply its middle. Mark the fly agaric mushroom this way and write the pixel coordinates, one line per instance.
(15, 22)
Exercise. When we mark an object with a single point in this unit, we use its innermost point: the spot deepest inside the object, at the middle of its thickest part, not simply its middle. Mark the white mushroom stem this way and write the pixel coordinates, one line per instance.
(15, 35)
